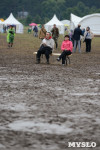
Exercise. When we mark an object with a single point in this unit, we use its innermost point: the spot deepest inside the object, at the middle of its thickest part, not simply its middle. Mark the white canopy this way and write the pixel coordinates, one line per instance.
(66, 22)
(74, 21)
(93, 21)
(59, 24)
(1, 26)
(11, 20)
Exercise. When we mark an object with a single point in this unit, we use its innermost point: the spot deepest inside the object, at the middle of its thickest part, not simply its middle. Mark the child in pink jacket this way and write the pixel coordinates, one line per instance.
(66, 48)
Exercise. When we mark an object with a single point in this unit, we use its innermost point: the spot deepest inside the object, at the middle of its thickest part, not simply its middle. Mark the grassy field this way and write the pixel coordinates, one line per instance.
(25, 44)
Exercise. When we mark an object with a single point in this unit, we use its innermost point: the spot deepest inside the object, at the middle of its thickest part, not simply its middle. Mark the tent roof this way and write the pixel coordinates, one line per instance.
(53, 21)
(66, 22)
(91, 15)
(93, 21)
(11, 20)
(75, 19)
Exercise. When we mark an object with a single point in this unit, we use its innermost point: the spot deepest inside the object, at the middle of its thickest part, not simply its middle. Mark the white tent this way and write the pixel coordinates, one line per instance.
(66, 22)
(12, 21)
(93, 21)
(59, 24)
(74, 21)
(1, 26)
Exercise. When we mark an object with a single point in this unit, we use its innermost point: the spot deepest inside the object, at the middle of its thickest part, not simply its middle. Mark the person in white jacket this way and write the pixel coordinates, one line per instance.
(88, 36)
(46, 48)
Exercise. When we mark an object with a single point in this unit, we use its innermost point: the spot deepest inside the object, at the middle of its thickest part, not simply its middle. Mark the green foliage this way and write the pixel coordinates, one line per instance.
(40, 11)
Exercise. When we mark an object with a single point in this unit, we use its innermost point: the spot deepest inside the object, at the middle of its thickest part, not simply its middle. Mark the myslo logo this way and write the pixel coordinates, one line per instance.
(81, 144)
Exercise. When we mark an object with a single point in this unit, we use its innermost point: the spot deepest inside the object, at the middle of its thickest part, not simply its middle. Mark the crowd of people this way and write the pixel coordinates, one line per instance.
(49, 40)
(68, 46)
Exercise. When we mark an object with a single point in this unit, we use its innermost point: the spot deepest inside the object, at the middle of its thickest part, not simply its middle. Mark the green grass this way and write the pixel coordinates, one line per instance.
(26, 44)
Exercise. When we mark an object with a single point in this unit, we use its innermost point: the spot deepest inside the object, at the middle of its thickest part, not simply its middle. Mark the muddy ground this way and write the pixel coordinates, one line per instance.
(43, 107)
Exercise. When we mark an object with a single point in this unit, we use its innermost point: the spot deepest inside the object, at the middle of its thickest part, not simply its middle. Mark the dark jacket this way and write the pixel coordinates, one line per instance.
(35, 29)
(77, 33)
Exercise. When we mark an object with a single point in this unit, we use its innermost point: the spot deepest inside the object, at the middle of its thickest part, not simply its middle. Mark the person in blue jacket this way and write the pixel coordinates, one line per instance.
(35, 31)
(76, 36)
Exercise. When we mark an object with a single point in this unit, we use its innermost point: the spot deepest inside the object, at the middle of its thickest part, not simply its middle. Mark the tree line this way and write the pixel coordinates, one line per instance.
(41, 11)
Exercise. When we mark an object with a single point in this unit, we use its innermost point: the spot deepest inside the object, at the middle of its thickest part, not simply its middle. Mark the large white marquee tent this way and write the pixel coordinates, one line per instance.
(59, 24)
(93, 21)
(12, 21)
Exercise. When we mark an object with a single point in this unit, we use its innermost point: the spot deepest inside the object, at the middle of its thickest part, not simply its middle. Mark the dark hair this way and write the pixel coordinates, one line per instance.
(79, 25)
(88, 28)
(67, 36)
(11, 25)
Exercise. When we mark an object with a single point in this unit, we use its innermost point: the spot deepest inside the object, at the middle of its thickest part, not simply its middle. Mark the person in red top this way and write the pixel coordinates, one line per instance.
(66, 48)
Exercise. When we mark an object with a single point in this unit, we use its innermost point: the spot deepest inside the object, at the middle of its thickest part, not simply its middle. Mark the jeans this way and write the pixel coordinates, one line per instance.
(79, 46)
(35, 34)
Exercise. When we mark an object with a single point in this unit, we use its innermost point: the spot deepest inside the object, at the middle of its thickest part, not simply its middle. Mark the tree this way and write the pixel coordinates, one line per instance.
(28, 20)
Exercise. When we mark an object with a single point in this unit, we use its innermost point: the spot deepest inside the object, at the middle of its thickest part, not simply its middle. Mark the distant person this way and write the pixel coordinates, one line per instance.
(66, 30)
(76, 37)
(71, 36)
(46, 47)
(83, 31)
(88, 36)
(29, 30)
(10, 36)
(35, 29)
(4, 29)
(42, 33)
(66, 48)
(55, 34)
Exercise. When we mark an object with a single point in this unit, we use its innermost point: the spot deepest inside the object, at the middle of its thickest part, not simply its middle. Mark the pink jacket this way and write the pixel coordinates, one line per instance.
(67, 45)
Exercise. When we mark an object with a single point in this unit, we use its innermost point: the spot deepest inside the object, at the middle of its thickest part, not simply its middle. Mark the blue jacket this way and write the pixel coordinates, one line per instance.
(35, 29)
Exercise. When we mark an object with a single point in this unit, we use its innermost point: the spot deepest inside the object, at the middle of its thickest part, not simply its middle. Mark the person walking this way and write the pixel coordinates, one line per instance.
(35, 29)
(46, 48)
(88, 36)
(71, 36)
(42, 33)
(76, 37)
(66, 48)
(10, 36)
(55, 34)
